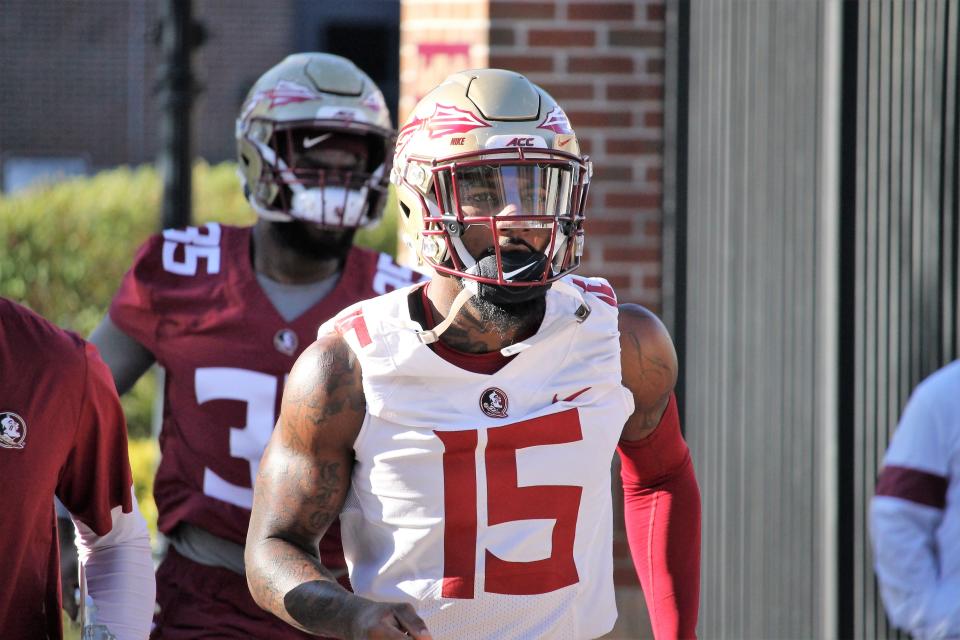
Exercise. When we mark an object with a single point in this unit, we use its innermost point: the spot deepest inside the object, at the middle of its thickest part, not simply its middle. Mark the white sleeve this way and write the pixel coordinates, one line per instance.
(119, 571)
(905, 517)
(915, 598)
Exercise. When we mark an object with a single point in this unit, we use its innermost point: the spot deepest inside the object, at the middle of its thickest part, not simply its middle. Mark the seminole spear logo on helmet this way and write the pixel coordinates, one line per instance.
(444, 121)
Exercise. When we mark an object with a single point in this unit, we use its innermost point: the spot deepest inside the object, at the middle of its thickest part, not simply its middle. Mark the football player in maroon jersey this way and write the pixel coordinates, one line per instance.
(226, 311)
(62, 433)
(462, 430)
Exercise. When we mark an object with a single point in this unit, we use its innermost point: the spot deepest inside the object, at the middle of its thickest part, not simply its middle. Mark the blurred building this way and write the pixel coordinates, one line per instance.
(82, 77)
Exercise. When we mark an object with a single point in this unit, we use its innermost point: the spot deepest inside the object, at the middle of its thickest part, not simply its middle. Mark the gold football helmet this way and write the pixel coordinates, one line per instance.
(314, 142)
(488, 148)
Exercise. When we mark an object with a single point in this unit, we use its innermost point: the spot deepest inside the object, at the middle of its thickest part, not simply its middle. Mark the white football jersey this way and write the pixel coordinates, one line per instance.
(484, 500)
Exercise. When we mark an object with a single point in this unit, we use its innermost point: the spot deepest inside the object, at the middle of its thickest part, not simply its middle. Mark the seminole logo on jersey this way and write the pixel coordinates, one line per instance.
(556, 121)
(444, 121)
(13, 430)
(285, 341)
(493, 402)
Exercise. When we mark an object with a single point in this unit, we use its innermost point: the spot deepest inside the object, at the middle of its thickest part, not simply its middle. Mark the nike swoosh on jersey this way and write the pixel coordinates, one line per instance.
(572, 396)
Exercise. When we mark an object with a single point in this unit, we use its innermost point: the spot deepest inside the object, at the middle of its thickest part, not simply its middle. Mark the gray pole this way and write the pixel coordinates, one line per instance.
(828, 320)
(179, 35)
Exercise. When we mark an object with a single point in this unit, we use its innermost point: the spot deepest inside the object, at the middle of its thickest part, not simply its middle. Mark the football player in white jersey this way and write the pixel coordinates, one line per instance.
(465, 427)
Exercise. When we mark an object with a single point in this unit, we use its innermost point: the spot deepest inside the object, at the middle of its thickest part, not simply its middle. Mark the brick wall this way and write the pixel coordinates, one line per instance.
(604, 63)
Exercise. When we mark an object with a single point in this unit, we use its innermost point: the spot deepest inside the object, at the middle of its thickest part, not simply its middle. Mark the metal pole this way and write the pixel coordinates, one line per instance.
(179, 35)
(673, 229)
(827, 303)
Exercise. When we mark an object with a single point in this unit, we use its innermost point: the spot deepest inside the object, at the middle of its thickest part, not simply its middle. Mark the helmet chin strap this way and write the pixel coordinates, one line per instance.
(581, 313)
(518, 266)
(523, 267)
(430, 336)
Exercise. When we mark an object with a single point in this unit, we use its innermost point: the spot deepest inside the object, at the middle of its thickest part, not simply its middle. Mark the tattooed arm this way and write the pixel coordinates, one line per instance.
(303, 482)
(649, 365)
(660, 493)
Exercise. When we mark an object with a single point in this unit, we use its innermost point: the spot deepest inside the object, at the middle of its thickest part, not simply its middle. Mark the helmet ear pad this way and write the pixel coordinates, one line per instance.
(250, 168)
(413, 207)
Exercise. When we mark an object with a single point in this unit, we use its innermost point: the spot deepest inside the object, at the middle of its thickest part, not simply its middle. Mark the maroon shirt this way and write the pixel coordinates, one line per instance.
(193, 300)
(61, 432)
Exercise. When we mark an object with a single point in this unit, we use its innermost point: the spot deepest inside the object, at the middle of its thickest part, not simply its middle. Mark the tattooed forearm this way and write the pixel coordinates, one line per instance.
(315, 605)
(300, 590)
(303, 481)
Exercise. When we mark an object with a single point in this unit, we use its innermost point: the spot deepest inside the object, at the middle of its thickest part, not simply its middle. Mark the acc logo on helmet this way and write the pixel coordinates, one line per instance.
(496, 142)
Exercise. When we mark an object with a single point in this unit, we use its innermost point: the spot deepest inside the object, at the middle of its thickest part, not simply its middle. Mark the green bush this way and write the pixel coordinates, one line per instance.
(67, 245)
(144, 458)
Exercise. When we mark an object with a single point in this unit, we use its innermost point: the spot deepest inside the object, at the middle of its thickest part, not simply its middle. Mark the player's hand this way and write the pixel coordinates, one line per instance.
(388, 621)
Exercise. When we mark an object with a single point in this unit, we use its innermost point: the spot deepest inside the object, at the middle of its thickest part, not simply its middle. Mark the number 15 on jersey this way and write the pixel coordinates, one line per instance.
(507, 502)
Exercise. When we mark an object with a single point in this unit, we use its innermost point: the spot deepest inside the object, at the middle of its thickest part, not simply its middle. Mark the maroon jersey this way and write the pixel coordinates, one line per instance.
(61, 432)
(192, 299)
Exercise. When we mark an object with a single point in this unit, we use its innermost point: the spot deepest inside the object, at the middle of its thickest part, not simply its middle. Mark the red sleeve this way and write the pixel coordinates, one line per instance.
(662, 514)
(96, 477)
(132, 308)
